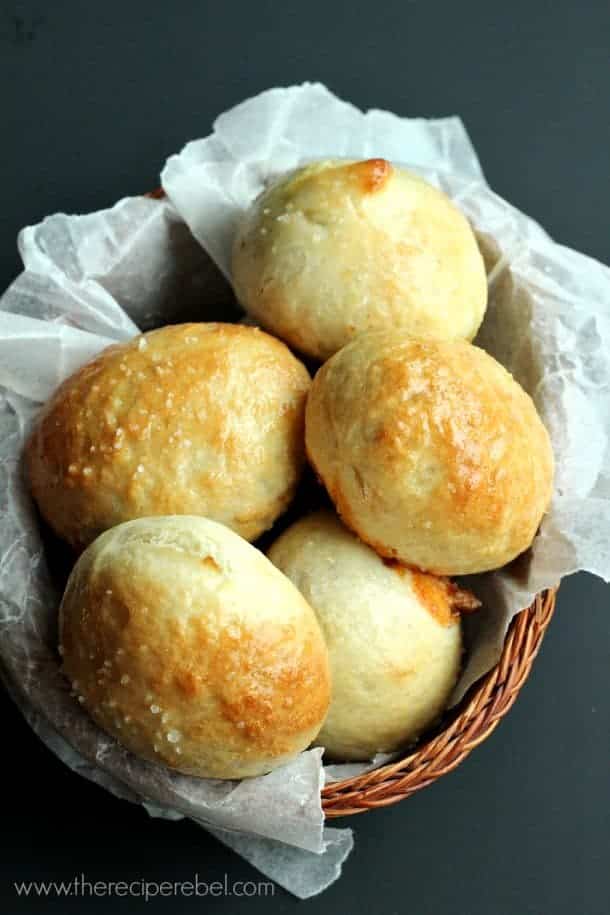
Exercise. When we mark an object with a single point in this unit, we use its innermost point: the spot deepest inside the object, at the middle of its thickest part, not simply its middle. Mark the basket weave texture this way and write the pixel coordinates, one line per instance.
(475, 718)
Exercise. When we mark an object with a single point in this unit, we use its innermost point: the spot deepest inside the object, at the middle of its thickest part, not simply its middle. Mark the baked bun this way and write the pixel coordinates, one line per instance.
(431, 451)
(340, 247)
(393, 636)
(184, 643)
(202, 419)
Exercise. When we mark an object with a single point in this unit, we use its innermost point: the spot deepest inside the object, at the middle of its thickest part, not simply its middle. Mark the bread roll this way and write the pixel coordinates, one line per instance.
(202, 419)
(184, 643)
(431, 452)
(340, 247)
(393, 636)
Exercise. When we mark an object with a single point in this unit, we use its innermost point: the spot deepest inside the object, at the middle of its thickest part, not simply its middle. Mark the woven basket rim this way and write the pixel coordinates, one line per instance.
(465, 727)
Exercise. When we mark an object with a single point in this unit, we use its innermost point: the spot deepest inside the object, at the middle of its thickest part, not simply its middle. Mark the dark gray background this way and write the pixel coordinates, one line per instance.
(93, 98)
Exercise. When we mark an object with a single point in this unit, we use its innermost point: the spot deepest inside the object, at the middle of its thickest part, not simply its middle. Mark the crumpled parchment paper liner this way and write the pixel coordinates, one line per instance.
(91, 280)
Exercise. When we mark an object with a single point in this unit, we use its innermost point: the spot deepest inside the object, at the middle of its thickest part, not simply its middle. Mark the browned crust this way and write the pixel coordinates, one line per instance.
(459, 410)
(243, 696)
(372, 174)
(122, 437)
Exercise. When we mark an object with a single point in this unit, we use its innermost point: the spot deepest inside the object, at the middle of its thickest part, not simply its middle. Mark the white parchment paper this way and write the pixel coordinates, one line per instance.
(91, 280)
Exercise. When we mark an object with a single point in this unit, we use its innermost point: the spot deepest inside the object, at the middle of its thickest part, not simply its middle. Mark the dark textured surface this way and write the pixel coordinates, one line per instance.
(93, 98)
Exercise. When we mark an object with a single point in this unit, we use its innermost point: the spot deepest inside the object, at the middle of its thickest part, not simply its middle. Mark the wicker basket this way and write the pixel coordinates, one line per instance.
(464, 728)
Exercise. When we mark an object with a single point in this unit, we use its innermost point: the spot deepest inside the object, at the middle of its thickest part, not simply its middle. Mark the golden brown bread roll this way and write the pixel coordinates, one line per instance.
(393, 636)
(189, 647)
(431, 451)
(200, 419)
(340, 247)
